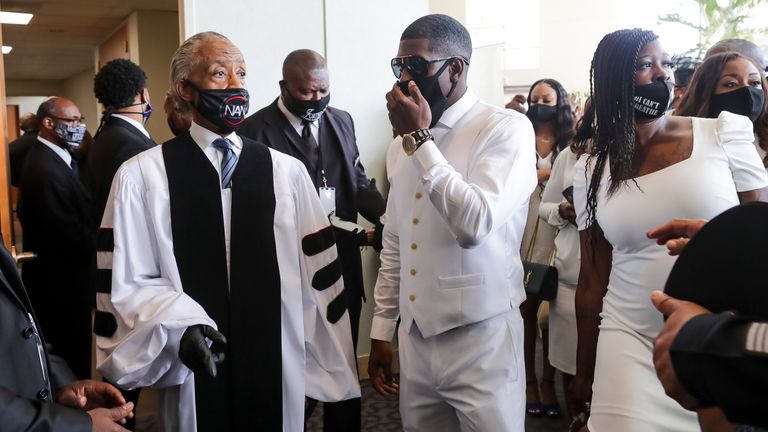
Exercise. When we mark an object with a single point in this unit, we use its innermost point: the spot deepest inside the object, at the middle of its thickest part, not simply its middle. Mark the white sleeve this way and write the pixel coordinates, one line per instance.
(500, 179)
(553, 192)
(330, 368)
(735, 133)
(146, 314)
(386, 293)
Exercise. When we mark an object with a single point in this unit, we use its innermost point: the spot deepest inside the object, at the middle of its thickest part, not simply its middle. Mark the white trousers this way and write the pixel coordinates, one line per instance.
(467, 379)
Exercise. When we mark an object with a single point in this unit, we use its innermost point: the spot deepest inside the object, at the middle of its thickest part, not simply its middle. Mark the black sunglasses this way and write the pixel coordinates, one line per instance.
(416, 66)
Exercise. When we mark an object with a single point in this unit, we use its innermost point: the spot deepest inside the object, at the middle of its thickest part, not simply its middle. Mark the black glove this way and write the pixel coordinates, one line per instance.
(369, 202)
(194, 351)
(378, 231)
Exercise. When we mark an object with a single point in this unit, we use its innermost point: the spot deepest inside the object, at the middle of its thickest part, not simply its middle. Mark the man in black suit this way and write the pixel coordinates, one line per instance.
(56, 216)
(121, 87)
(38, 391)
(18, 148)
(300, 123)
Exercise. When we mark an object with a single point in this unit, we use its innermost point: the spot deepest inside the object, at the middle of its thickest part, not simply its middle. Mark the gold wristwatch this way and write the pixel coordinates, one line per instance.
(413, 140)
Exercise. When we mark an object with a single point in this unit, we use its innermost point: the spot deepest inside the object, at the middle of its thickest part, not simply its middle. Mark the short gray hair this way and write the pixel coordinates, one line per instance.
(184, 61)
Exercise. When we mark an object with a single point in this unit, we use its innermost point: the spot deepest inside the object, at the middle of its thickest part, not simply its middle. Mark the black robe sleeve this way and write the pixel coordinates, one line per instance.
(722, 363)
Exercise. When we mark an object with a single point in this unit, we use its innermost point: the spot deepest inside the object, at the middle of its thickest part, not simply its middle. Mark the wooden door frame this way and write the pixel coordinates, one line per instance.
(6, 217)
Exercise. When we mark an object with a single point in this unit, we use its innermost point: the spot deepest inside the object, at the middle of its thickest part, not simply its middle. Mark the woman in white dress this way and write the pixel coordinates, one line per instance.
(557, 210)
(552, 118)
(643, 169)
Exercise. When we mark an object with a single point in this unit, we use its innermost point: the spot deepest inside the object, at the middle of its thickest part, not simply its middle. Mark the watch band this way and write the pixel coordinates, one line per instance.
(421, 136)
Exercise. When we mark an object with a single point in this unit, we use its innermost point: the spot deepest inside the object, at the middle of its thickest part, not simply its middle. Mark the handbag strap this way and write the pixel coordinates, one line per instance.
(552, 256)
(532, 243)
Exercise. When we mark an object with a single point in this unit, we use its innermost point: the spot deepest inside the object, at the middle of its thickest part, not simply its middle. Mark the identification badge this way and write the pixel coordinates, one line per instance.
(328, 199)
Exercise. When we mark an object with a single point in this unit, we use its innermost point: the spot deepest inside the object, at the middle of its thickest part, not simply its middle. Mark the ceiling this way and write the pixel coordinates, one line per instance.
(59, 40)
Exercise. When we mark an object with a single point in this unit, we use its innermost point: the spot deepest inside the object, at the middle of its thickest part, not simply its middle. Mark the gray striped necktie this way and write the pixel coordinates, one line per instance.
(228, 161)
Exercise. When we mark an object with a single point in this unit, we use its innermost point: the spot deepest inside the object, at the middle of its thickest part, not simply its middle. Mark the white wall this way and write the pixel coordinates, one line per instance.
(27, 104)
(570, 32)
(79, 89)
(357, 37)
(265, 31)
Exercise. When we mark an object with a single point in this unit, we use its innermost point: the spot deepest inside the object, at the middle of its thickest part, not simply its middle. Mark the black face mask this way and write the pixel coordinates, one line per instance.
(746, 101)
(430, 89)
(225, 108)
(652, 100)
(540, 113)
(309, 110)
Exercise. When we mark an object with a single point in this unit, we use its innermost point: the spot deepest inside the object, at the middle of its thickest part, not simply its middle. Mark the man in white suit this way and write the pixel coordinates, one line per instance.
(461, 173)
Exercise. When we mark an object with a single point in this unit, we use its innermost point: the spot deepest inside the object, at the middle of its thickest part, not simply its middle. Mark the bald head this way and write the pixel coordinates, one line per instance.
(305, 78)
(303, 61)
(741, 46)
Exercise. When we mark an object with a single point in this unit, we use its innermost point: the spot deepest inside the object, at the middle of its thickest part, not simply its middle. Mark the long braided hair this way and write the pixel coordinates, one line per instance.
(564, 118)
(607, 129)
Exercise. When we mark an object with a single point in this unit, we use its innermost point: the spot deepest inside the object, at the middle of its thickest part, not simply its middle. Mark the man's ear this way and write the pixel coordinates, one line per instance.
(47, 123)
(457, 69)
(144, 95)
(186, 92)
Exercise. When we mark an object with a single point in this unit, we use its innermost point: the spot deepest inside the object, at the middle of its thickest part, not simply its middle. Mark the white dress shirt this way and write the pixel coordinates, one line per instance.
(454, 221)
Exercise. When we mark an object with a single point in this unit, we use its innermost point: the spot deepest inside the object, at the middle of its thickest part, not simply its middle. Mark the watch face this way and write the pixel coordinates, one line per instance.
(409, 144)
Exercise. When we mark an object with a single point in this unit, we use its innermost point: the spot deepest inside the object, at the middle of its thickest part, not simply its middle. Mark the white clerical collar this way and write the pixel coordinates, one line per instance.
(133, 123)
(293, 119)
(63, 153)
(458, 109)
(204, 138)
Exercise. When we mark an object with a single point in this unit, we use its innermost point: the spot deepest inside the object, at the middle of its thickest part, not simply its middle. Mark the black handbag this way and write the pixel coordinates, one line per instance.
(540, 280)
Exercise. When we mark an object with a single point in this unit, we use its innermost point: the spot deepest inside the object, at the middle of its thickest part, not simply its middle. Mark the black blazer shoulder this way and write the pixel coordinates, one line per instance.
(54, 206)
(117, 142)
(17, 154)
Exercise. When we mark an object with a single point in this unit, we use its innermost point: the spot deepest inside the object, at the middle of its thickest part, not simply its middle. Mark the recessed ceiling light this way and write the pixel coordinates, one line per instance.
(15, 18)
(7, 49)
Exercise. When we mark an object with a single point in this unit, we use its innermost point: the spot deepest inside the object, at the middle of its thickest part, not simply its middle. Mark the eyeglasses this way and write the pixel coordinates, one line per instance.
(417, 66)
(75, 120)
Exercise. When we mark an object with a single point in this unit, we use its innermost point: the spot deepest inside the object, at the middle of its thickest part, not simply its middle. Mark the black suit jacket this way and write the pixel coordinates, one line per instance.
(117, 142)
(269, 126)
(17, 153)
(25, 393)
(56, 216)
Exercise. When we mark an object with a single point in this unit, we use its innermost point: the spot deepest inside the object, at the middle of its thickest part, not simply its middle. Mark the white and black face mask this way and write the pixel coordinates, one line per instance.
(652, 100)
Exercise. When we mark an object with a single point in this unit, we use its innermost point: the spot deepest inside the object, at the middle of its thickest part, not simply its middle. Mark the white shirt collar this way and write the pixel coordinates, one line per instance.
(204, 138)
(64, 154)
(133, 123)
(458, 109)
